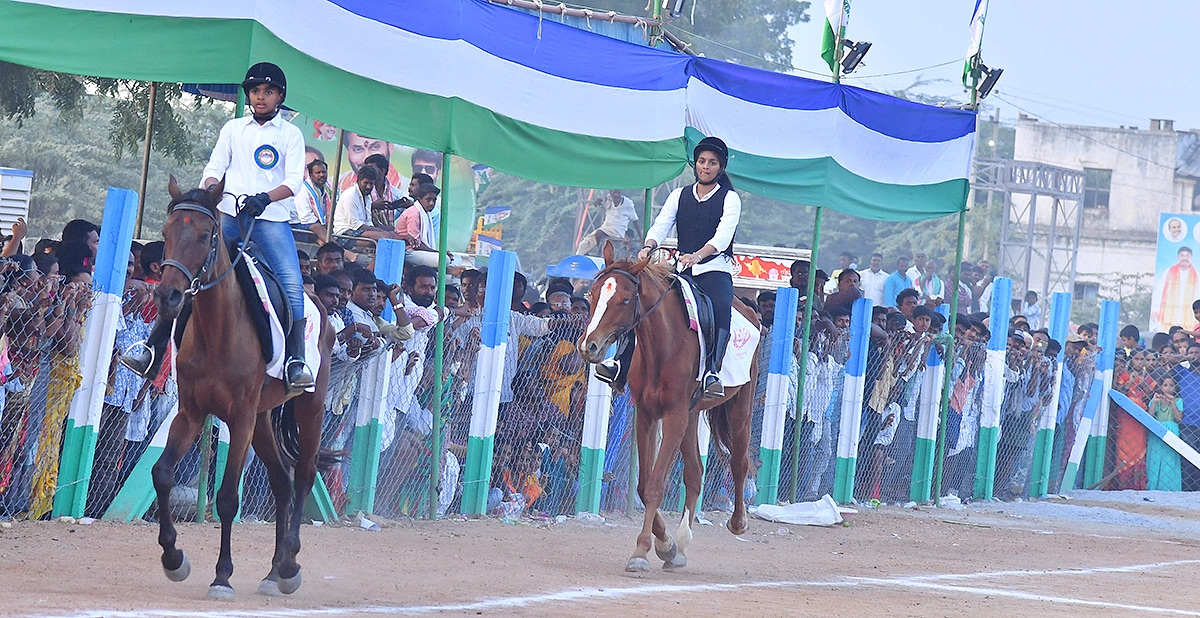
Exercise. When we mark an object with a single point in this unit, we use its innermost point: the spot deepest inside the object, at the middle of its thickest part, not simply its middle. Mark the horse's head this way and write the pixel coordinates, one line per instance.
(614, 300)
(191, 239)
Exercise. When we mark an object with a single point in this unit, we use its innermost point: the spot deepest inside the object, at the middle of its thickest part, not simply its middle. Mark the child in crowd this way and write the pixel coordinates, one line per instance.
(1162, 462)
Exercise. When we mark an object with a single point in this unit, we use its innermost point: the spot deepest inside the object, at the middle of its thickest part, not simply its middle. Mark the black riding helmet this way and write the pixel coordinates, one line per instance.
(265, 73)
(715, 146)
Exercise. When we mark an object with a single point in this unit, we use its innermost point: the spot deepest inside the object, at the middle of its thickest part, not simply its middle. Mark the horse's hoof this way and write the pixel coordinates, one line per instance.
(217, 592)
(180, 574)
(637, 565)
(678, 562)
(668, 554)
(269, 587)
(737, 529)
(288, 585)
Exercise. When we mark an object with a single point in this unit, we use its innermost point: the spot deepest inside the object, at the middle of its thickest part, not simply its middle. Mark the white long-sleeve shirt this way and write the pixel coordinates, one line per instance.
(730, 215)
(255, 159)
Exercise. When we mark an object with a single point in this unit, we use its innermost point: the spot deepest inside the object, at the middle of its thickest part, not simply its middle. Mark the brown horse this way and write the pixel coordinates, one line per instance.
(221, 371)
(639, 296)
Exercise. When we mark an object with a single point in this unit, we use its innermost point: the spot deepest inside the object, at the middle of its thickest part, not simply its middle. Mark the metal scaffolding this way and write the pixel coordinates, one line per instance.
(1043, 217)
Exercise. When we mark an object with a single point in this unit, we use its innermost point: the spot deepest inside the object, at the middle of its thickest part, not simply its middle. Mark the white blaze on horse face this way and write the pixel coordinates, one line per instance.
(606, 293)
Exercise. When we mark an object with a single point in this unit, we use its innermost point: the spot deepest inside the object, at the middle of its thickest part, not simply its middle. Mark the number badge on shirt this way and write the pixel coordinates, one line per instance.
(266, 156)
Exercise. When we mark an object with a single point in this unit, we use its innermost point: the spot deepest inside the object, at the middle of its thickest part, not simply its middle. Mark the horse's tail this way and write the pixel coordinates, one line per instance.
(287, 437)
(718, 422)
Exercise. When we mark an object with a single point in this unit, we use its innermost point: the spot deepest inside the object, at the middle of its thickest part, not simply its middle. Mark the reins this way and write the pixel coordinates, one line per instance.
(196, 286)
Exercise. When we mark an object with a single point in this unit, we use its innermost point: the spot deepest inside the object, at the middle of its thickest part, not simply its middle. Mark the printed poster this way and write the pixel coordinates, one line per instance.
(1176, 282)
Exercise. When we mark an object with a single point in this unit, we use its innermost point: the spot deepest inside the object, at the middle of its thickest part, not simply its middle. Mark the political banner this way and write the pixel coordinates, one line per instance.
(1176, 282)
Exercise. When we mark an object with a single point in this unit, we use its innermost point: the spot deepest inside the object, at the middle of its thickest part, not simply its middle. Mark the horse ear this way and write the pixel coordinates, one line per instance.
(173, 188)
(216, 192)
(608, 253)
(638, 267)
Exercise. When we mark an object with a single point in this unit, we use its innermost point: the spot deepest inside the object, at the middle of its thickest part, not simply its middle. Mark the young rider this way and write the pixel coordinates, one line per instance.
(705, 215)
(261, 157)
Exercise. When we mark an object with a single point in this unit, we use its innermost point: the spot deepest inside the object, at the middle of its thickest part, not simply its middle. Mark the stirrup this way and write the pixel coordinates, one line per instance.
(712, 386)
(297, 379)
(607, 370)
(139, 358)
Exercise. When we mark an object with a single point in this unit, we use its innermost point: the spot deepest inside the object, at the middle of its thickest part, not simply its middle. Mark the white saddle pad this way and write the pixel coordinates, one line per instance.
(743, 341)
(312, 328)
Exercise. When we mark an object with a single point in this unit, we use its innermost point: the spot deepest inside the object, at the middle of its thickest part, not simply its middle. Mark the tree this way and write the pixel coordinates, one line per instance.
(750, 32)
(21, 87)
(73, 162)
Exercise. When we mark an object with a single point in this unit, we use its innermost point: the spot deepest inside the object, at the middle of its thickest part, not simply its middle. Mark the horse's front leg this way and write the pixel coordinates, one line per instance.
(182, 433)
(228, 502)
(653, 479)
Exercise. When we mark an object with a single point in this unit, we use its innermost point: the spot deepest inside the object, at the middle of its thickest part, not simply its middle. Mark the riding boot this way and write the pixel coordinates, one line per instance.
(297, 375)
(145, 358)
(614, 371)
(712, 383)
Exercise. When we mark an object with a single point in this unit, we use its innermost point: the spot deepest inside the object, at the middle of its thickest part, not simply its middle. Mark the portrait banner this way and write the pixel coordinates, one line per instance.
(1176, 282)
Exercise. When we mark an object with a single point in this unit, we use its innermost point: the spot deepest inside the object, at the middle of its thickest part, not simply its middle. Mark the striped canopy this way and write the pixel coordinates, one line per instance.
(524, 94)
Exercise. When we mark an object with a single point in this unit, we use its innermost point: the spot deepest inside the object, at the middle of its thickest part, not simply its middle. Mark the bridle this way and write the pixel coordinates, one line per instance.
(196, 285)
(639, 315)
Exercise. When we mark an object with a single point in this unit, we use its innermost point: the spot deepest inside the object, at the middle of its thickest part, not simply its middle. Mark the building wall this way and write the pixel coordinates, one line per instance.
(1120, 239)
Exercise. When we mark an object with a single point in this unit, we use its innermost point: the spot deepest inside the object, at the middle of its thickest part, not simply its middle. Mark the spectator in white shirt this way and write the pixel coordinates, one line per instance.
(352, 216)
(619, 212)
(874, 279)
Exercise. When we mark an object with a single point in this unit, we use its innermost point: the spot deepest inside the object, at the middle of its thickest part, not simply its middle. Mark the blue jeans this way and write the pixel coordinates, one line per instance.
(277, 246)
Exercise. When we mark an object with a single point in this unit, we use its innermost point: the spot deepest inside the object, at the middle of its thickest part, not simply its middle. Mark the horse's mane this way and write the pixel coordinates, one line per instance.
(656, 271)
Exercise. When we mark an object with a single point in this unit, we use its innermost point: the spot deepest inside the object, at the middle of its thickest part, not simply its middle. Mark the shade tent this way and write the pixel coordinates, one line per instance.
(525, 94)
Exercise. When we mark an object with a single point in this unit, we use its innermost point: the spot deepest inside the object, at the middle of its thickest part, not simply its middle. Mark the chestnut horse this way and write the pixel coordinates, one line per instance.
(221, 371)
(640, 296)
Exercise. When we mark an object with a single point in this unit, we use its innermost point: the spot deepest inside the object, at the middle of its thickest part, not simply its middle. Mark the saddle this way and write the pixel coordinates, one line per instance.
(699, 308)
(267, 285)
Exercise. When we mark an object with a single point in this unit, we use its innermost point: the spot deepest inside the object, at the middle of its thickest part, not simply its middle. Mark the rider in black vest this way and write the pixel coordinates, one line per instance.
(705, 215)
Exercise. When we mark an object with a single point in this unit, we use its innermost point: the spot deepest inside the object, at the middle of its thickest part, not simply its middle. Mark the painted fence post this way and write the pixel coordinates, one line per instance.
(1043, 445)
(83, 418)
(928, 410)
(852, 401)
(993, 385)
(1109, 310)
(489, 373)
(137, 494)
(783, 333)
(363, 476)
(596, 408)
(1097, 444)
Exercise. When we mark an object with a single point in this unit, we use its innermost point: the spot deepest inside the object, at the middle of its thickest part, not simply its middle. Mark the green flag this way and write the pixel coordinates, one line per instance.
(837, 14)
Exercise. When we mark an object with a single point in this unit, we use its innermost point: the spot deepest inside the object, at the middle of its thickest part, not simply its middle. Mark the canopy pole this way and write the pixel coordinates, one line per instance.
(808, 307)
(439, 349)
(146, 158)
(948, 382)
(337, 175)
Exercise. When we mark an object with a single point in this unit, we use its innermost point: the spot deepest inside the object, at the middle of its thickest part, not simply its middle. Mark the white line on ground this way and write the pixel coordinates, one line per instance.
(586, 594)
(1029, 596)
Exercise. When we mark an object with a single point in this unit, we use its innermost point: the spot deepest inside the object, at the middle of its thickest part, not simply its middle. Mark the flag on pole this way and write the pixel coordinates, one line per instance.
(977, 19)
(837, 15)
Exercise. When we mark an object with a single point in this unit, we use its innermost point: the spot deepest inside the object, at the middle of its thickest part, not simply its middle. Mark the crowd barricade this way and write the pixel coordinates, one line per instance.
(523, 427)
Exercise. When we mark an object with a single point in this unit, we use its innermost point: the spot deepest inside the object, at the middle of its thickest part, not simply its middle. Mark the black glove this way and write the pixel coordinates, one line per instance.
(255, 205)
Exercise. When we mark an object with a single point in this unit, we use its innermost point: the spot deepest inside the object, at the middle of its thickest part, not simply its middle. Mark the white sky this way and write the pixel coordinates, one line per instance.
(1095, 62)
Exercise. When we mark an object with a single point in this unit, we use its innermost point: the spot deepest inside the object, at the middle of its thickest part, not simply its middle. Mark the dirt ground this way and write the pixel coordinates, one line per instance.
(980, 561)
